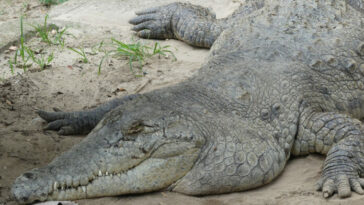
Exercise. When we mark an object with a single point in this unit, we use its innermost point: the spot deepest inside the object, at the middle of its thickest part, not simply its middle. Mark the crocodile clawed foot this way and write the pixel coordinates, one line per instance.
(66, 123)
(342, 184)
(155, 22)
(340, 175)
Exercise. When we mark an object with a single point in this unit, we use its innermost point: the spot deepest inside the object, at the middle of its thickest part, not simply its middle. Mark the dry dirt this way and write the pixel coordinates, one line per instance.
(71, 85)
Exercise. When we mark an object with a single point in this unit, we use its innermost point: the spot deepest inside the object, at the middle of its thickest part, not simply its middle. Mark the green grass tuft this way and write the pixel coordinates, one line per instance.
(26, 53)
(11, 65)
(80, 52)
(44, 32)
(51, 2)
(135, 52)
(58, 38)
(21, 51)
(43, 61)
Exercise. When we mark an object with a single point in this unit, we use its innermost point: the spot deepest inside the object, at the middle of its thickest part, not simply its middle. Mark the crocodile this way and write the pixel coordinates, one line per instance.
(283, 78)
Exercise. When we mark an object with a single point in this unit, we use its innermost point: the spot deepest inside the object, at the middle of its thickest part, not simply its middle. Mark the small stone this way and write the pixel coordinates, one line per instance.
(54, 32)
(9, 102)
(37, 122)
(13, 48)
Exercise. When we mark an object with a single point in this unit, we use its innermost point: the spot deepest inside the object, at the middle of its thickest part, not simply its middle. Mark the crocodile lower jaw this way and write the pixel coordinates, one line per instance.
(92, 189)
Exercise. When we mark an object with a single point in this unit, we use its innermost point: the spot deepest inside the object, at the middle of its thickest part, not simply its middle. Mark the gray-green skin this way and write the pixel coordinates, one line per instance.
(283, 77)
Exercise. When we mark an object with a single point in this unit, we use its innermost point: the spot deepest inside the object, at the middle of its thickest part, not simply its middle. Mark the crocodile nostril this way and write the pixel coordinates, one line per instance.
(29, 175)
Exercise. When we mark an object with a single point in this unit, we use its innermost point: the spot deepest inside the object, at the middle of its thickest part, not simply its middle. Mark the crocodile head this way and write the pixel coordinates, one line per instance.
(126, 153)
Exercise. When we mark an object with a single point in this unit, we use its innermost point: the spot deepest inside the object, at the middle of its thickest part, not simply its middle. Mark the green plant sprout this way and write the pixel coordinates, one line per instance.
(58, 38)
(11, 65)
(22, 39)
(43, 31)
(97, 48)
(13, 62)
(20, 51)
(51, 2)
(163, 51)
(27, 53)
(81, 52)
(43, 62)
(135, 52)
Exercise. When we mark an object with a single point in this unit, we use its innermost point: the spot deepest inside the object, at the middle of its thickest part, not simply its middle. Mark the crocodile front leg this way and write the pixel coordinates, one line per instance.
(344, 165)
(341, 139)
(192, 24)
(82, 122)
(245, 159)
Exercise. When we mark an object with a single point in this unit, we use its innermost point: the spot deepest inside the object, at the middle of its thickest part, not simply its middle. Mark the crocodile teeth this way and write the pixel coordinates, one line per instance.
(100, 173)
(107, 173)
(83, 188)
(55, 186)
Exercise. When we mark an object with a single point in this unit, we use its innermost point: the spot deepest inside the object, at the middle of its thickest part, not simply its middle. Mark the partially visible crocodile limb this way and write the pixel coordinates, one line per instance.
(192, 24)
(283, 77)
(82, 121)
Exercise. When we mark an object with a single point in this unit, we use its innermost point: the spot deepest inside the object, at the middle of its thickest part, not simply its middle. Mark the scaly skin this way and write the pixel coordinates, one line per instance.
(283, 77)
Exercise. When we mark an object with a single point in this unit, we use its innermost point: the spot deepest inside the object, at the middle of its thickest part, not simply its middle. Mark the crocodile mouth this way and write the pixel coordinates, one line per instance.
(151, 174)
(99, 184)
(103, 180)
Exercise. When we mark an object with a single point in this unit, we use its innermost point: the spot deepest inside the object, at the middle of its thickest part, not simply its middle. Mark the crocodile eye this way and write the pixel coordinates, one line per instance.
(135, 127)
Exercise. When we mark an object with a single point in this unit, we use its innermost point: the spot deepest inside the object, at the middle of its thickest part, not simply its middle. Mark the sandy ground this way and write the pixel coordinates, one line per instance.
(71, 85)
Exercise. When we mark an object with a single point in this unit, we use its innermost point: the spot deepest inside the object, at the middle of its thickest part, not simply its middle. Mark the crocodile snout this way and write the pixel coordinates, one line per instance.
(27, 186)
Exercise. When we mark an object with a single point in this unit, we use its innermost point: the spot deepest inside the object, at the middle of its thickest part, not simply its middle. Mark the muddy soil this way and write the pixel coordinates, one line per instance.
(70, 84)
